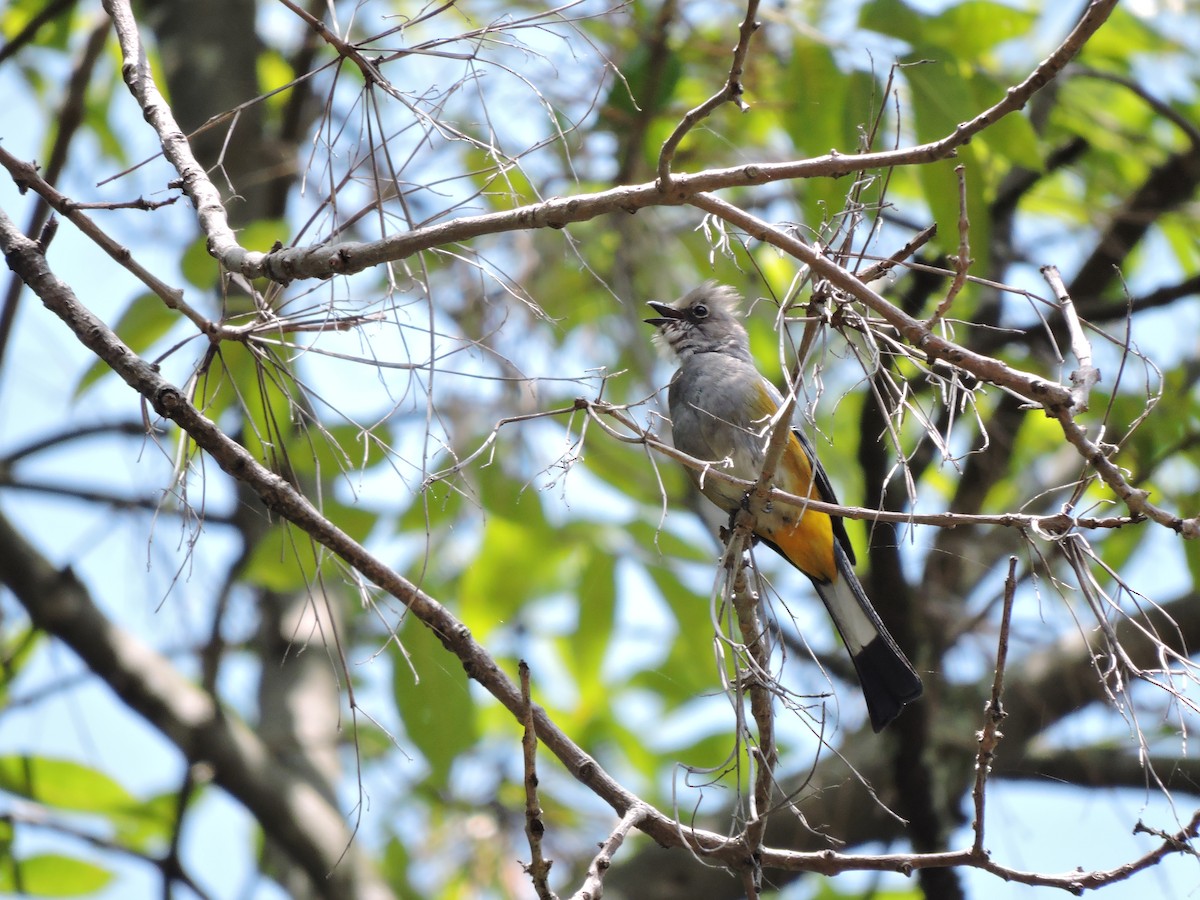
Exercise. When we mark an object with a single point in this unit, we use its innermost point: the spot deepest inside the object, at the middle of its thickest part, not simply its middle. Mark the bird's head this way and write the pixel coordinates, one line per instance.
(703, 320)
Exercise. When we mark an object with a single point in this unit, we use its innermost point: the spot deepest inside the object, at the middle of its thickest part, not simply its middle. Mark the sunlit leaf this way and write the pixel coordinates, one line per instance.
(650, 77)
(434, 700)
(17, 648)
(198, 266)
(274, 73)
(52, 875)
(64, 784)
(263, 234)
(597, 607)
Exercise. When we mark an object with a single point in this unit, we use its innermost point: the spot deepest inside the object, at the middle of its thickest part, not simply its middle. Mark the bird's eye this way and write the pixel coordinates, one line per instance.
(700, 311)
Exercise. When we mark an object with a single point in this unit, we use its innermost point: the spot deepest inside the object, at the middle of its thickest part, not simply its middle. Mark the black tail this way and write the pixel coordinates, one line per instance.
(889, 681)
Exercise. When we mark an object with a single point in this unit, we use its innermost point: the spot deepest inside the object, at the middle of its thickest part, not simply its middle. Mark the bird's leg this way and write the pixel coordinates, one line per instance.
(743, 515)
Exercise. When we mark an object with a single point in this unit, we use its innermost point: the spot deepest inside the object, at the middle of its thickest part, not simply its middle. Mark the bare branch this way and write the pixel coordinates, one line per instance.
(593, 886)
(962, 262)
(1086, 376)
(539, 866)
(730, 93)
(989, 735)
(325, 260)
(301, 817)
(1054, 398)
(210, 211)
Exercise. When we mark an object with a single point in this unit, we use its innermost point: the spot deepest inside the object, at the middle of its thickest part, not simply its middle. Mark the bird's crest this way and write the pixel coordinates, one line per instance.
(719, 295)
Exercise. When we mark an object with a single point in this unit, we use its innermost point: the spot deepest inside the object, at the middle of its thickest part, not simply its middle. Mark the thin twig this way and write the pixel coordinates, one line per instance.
(1136, 499)
(993, 714)
(962, 262)
(67, 118)
(1055, 399)
(731, 92)
(1049, 525)
(875, 271)
(1087, 375)
(27, 176)
(323, 260)
(539, 866)
(754, 678)
(593, 886)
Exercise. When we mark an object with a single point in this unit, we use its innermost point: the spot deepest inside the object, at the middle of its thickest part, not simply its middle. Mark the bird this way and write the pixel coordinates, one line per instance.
(721, 409)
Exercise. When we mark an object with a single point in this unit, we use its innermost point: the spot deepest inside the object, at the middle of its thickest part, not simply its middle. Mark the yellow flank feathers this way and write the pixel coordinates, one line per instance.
(804, 536)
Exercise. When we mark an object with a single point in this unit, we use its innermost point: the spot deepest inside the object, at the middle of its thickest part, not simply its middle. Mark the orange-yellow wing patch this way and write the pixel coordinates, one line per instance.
(804, 536)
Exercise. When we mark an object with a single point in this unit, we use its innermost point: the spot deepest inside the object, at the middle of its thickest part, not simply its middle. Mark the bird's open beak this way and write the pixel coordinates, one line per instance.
(665, 312)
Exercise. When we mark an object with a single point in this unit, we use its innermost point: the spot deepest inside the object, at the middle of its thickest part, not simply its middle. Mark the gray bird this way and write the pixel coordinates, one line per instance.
(721, 408)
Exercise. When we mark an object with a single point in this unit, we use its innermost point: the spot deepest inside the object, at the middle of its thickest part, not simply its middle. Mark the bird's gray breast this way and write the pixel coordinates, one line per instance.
(712, 400)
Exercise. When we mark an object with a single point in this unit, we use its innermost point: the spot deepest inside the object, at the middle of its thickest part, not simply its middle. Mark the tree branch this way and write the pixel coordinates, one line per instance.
(731, 92)
(298, 817)
(278, 495)
(323, 261)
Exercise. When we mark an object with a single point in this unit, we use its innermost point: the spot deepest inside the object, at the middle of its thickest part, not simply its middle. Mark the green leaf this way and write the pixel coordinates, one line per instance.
(197, 265)
(973, 28)
(1014, 139)
(829, 109)
(967, 29)
(16, 649)
(275, 73)
(263, 234)
(288, 559)
(436, 704)
(939, 182)
(264, 389)
(149, 825)
(504, 186)
(145, 321)
(949, 87)
(285, 559)
(63, 784)
(1180, 233)
(814, 118)
(689, 668)
(438, 506)
(201, 270)
(827, 891)
(597, 611)
(941, 100)
(661, 545)
(1126, 36)
(512, 567)
(650, 79)
(52, 875)
(941, 96)
(395, 863)
(16, 15)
